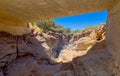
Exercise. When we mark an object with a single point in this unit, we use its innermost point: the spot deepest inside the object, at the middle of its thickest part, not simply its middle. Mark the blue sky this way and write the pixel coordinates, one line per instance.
(80, 21)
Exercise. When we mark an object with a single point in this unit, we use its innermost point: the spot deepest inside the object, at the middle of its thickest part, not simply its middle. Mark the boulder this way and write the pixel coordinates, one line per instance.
(24, 66)
(98, 33)
(28, 66)
(24, 49)
(51, 41)
(67, 55)
(84, 43)
(77, 36)
(97, 57)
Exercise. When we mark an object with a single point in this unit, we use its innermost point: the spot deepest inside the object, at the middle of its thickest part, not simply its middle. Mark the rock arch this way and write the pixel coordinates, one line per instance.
(15, 14)
(19, 13)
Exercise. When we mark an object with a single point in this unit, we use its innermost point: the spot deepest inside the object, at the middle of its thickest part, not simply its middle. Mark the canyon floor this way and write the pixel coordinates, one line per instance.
(55, 54)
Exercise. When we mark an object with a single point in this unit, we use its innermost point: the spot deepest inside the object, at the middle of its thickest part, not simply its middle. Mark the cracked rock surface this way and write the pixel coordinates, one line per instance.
(30, 55)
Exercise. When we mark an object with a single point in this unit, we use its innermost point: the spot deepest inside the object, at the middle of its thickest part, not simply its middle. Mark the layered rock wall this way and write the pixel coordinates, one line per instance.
(113, 33)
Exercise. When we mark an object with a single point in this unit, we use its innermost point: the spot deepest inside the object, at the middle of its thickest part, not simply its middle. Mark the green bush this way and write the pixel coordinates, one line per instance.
(91, 27)
(50, 25)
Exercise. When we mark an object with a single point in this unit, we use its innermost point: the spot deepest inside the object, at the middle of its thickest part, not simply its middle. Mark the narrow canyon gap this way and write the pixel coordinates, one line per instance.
(16, 14)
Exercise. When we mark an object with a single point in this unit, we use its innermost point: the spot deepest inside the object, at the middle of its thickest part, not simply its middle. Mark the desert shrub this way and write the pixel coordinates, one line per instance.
(76, 31)
(50, 25)
(91, 27)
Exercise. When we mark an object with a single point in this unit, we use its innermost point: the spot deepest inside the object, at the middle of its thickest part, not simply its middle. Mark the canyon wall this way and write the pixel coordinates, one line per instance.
(14, 16)
(113, 33)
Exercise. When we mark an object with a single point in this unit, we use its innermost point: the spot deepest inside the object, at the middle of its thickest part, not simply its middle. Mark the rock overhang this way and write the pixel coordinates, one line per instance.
(20, 12)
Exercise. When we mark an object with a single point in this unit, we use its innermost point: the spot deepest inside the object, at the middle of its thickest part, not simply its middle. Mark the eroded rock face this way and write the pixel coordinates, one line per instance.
(19, 57)
(12, 18)
(81, 43)
(24, 66)
(113, 35)
(7, 49)
(11, 14)
(30, 55)
(94, 65)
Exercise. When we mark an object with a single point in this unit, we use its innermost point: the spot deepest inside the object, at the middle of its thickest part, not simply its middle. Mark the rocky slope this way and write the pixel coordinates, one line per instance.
(55, 54)
(80, 43)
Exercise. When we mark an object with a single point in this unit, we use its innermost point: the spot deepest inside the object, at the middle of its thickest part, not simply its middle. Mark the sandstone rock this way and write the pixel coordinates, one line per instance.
(39, 51)
(27, 66)
(15, 30)
(14, 16)
(93, 35)
(76, 37)
(39, 47)
(6, 38)
(35, 40)
(88, 64)
(98, 33)
(97, 62)
(7, 49)
(24, 48)
(34, 28)
(47, 70)
(83, 43)
(24, 66)
(51, 41)
(68, 55)
(83, 33)
(35, 57)
(113, 35)
(64, 73)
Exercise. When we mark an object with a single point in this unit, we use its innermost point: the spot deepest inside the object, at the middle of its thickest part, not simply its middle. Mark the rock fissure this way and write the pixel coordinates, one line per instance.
(40, 54)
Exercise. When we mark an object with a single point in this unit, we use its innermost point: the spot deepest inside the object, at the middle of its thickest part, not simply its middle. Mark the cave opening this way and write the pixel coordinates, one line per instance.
(75, 35)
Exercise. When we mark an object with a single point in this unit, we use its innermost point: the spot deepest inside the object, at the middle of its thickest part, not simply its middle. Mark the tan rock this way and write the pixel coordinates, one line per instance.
(76, 37)
(13, 19)
(113, 35)
(83, 43)
(93, 35)
(69, 55)
(95, 62)
(14, 30)
(16, 14)
(51, 41)
(98, 33)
